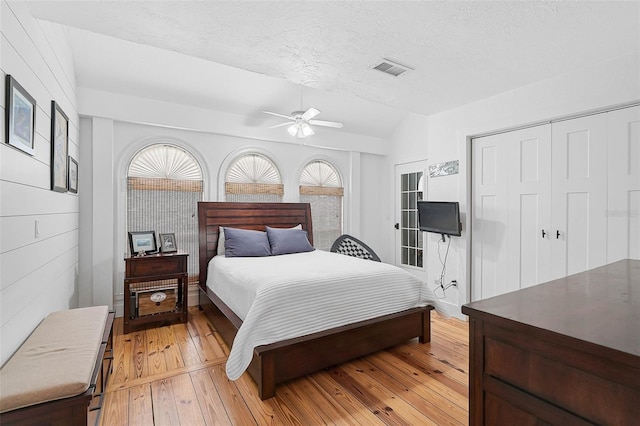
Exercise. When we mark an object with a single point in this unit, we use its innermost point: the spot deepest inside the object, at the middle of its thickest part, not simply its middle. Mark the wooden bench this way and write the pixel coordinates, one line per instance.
(57, 376)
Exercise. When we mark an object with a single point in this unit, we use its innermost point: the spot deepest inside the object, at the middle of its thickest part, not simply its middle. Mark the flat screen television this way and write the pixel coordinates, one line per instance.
(440, 217)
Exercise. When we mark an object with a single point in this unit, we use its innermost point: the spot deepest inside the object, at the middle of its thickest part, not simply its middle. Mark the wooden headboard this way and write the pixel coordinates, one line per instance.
(255, 216)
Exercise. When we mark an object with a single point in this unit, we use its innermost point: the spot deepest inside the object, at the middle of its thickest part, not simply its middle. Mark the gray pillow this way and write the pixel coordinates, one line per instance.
(245, 243)
(286, 241)
(221, 250)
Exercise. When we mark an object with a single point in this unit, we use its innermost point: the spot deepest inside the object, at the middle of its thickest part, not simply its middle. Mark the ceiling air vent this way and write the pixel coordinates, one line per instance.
(392, 68)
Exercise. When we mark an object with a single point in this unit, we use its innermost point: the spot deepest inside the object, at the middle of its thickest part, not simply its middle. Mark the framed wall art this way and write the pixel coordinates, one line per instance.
(142, 241)
(20, 117)
(73, 175)
(444, 169)
(59, 148)
(168, 243)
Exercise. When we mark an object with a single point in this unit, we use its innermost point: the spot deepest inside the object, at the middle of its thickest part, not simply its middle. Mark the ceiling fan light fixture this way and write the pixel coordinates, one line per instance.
(307, 130)
(300, 130)
(301, 121)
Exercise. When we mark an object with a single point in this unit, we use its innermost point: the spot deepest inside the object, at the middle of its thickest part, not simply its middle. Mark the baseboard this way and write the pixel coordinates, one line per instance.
(452, 310)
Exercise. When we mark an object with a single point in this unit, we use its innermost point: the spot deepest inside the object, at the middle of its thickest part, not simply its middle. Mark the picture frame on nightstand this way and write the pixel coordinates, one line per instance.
(142, 241)
(168, 243)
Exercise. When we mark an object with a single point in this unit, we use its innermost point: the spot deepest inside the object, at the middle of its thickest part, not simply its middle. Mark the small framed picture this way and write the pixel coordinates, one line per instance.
(168, 243)
(73, 175)
(143, 241)
(20, 117)
(59, 148)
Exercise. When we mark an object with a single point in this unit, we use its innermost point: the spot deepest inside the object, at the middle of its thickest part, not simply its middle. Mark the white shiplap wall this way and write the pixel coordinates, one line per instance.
(37, 275)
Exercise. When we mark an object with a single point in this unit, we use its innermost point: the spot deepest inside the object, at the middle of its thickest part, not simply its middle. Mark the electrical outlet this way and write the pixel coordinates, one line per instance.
(454, 283)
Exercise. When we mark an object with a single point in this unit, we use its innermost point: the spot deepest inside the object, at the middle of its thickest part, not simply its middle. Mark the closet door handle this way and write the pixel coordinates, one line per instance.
(543, 233)
(557, 234)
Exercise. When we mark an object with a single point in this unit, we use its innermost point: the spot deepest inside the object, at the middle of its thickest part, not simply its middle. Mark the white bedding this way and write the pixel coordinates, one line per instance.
(282, 297)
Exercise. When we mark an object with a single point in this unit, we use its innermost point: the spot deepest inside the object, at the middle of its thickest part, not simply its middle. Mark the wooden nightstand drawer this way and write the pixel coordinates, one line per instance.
(150, 266)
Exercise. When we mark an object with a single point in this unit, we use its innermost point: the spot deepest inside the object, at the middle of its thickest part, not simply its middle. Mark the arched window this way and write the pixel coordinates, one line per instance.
(253, 178)
(164, 185)
(321, 186)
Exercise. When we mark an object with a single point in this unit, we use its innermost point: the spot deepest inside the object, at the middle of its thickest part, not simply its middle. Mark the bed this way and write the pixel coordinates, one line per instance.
(290, 358)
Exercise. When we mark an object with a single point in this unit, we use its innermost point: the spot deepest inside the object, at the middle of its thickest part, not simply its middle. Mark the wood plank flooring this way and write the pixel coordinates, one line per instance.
(175, 375)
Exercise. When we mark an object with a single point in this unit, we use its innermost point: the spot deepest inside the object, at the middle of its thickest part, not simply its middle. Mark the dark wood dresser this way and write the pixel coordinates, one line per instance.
(564, 352)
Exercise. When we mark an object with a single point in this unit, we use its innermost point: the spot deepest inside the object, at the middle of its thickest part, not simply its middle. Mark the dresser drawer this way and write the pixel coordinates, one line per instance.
(559, 383)
(506, 405)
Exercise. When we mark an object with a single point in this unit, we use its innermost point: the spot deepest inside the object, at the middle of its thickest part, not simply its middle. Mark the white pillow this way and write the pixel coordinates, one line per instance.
(220, 241)
(221, 248)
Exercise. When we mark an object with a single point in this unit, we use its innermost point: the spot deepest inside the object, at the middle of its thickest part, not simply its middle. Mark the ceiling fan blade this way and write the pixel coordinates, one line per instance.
(334, 124)
(280, 125)
(310, 113)
(288, 117)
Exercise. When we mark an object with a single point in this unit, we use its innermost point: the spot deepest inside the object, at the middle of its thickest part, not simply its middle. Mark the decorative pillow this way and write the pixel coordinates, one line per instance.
(221, 238)
(220, 241)
(286, 241)
(245, 243)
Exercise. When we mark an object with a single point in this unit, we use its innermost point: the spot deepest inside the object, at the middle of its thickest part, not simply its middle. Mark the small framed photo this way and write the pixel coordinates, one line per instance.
(142, 241)
(73, 175)
(59, 148)
(20, 117)
(168, 243)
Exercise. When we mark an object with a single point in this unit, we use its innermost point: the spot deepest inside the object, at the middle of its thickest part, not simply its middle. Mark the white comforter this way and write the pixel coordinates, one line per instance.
(282, 297)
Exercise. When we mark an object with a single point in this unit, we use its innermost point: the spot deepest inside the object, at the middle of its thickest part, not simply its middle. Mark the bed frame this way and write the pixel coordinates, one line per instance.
(281, 361)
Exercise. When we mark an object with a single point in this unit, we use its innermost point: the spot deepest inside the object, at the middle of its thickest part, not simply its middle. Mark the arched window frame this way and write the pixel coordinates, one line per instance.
(157, 179)
(245, 185)
(326, 196)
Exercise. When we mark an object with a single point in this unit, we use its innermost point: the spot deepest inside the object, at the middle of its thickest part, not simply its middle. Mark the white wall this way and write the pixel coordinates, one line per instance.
(114, 143)
(38, 275)
(375, 220)
(444, 137)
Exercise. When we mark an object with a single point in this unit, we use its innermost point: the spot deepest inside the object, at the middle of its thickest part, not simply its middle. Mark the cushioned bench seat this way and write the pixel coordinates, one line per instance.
(57, 361)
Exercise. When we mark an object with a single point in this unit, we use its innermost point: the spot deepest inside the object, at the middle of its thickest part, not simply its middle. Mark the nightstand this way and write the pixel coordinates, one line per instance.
(155, 290)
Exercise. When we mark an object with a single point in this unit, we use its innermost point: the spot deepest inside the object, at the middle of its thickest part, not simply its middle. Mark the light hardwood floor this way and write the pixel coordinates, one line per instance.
(174, 375)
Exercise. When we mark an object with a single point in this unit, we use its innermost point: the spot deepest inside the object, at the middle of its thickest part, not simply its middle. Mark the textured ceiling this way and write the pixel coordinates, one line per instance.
(461, 51)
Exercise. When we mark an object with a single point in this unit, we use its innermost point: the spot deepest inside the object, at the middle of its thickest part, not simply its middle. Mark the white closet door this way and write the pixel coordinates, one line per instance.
(623, 210)
(529, 207)
(579, 195)
(489, 222)
(511, 196)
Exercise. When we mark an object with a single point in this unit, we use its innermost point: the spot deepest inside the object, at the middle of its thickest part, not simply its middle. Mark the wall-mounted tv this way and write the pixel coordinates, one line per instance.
(440, 217)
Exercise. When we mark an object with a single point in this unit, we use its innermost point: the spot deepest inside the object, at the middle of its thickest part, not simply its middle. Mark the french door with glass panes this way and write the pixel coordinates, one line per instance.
(410, 184)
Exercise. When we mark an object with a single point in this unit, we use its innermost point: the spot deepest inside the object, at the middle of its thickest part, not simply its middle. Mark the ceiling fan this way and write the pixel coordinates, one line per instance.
(300, 121)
